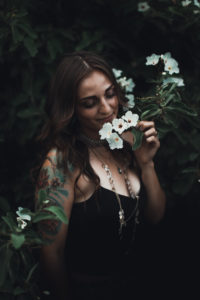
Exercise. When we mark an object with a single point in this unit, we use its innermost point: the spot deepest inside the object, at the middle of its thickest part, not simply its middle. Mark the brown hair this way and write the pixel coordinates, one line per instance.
(61, 128)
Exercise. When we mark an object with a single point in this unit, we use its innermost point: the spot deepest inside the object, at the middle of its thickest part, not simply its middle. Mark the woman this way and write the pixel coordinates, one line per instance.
(104, 193)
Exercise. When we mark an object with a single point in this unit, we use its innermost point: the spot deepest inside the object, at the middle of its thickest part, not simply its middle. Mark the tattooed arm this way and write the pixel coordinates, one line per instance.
(60, 192)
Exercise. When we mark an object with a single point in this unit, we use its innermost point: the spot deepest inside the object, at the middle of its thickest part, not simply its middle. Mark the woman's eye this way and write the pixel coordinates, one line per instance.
(88, 104)
(110, 95)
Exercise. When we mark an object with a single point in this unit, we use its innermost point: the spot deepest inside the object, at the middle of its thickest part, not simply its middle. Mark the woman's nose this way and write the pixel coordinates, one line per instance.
(104, 106)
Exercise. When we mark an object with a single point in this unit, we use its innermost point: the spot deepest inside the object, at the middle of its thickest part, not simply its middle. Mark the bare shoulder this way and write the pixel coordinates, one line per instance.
(53, 166)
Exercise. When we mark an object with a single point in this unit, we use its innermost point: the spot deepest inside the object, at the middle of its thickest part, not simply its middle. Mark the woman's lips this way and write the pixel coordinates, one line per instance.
(108, 119)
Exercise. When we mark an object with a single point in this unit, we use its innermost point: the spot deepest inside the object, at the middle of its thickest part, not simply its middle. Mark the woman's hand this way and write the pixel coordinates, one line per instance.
(150, 144)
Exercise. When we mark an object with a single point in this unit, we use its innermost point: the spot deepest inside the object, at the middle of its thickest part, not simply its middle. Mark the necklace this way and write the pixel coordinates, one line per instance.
(122, 220)
(91, 142)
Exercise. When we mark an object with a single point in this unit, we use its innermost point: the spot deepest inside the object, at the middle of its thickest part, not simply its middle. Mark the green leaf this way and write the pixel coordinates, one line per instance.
(138, 135)
(151, 113)
(5, 256)
(18, 291)
(17, 35)
(168, 91)
(41, 216)
(59, 212)
(17, 240)
(30, 45)
(9, 220)
(167, 100)
(26, 28)
(170, 118)
(31, 272)
(21, 13)
(182, 108)
(190, 170)
(27, 113)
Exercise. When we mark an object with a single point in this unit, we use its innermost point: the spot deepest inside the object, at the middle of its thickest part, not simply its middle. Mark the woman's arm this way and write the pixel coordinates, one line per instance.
(60, 192)
(155, 207)
(144, 155)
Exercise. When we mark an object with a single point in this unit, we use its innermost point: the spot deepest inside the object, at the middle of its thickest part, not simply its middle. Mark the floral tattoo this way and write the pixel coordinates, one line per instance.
(51, 180)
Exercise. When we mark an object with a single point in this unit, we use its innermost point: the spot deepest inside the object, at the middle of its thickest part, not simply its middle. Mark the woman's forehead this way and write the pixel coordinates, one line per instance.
(95, 82)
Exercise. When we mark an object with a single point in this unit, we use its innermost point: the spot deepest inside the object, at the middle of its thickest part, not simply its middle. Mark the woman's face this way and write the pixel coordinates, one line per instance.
(97, 103)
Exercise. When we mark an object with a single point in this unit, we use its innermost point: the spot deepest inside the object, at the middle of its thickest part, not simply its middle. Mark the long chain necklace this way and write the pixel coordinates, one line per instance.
(122, 220)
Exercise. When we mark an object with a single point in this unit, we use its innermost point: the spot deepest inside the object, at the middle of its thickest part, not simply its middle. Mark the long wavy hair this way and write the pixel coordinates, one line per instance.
(61, 129)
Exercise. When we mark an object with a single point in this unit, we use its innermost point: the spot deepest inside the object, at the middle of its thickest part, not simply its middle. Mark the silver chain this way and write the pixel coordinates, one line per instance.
(122, 220)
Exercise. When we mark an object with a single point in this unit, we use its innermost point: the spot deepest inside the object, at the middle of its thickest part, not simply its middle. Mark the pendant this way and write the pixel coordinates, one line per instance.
(119, 170)
(121, 219)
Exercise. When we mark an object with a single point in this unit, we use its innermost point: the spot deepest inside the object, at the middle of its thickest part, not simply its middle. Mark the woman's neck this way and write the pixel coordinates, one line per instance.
(90, 141)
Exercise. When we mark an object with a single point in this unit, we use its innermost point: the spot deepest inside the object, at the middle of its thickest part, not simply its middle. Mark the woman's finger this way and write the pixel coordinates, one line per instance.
(151, 132)
(143, 125)
(153, 139)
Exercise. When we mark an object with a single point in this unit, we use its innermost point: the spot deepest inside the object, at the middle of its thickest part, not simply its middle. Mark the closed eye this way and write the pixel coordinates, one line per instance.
(89, 102)
(111, 94)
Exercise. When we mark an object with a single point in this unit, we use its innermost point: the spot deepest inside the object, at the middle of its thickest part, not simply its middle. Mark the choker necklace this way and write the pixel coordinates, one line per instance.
(91, 142)
(122, 220)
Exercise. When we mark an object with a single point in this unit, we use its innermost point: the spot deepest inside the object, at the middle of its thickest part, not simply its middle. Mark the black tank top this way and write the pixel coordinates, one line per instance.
(93, 243)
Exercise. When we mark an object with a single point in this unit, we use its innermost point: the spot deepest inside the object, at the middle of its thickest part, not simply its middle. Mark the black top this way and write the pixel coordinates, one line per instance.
(94, 245)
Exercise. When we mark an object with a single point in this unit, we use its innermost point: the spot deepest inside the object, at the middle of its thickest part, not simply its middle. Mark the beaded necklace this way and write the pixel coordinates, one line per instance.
(122, 220)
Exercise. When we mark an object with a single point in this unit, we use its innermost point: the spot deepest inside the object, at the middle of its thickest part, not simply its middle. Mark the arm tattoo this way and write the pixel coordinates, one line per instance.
(51, 180)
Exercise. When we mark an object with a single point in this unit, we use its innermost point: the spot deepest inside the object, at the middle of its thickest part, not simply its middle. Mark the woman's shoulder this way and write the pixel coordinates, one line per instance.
(54, 163)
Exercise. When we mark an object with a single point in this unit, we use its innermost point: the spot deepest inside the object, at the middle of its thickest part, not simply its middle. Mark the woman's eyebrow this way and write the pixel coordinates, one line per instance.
(91, 97)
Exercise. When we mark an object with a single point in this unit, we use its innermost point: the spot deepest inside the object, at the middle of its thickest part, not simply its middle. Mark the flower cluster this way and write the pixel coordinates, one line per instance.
(170, 67)
(143, 6)
(111, 131)
(127, 85)
(188, 2)
(22, 217)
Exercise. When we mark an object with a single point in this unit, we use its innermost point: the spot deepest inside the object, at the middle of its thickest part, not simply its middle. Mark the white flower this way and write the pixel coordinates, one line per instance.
(166, 56)
(197, 3)
(178, 81)
(23, 216)
(122, 81)
(152, 60)
(131, 102)
(117, 73)
(21, 223)
(131, 119)
(105, 131)
(172, 66)
(143, 6)
(129, 85)
(115, 142)
(186, 2)
(46, 293)
(119, 125)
